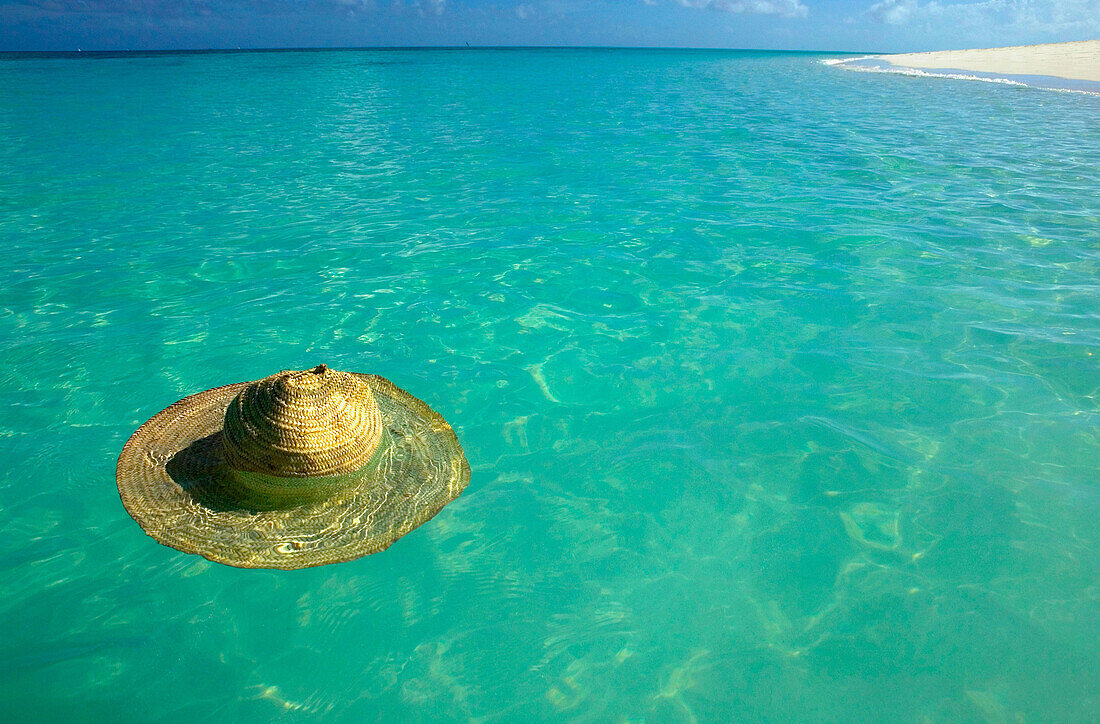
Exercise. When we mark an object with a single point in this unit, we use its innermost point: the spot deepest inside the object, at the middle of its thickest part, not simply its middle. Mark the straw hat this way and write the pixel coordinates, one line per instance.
(297, 469)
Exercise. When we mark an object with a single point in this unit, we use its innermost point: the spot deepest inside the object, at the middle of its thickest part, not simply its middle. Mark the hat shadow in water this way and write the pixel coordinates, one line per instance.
(199, 470)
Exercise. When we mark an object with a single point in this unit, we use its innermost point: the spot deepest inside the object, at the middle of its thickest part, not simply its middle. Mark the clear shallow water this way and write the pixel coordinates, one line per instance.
(879, 64)
(779, 383)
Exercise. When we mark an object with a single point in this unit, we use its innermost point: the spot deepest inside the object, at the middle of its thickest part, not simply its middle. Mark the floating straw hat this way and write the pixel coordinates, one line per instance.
(297, 469)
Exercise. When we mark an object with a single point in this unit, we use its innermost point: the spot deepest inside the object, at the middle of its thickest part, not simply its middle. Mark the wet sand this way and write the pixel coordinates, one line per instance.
(1073, 61)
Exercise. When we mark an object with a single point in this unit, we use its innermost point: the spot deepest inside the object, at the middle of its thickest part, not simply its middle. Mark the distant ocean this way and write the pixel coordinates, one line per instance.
(780, 383)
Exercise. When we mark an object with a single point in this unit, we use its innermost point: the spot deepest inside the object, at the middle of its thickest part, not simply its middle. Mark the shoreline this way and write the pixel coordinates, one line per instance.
(1075, 61)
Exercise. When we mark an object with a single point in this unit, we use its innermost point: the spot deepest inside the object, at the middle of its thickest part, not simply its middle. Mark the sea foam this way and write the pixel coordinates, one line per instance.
(877, 64)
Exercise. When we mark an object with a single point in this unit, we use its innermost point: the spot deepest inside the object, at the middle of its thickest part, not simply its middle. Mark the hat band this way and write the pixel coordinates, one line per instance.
(274, 492)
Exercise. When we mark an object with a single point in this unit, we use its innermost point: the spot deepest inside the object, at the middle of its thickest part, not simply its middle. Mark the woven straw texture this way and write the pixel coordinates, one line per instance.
(312, 423)
(369, 462)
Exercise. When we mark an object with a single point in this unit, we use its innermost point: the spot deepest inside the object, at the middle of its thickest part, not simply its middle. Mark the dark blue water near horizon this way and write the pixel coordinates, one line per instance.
(778, 382)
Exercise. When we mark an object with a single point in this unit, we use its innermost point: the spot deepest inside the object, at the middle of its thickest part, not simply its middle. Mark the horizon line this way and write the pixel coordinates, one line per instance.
(277, 49)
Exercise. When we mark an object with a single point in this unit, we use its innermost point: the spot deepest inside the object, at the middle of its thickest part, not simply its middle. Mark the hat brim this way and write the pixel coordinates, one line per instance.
(171, 479)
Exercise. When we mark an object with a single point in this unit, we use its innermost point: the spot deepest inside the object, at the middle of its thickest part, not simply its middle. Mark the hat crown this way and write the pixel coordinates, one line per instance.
(299, 424)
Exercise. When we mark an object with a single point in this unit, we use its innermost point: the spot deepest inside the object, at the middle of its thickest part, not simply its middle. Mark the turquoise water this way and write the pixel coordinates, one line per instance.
(779, 383)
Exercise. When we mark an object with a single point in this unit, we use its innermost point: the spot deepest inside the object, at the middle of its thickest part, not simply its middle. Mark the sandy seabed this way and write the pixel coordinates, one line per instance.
(1078, 60)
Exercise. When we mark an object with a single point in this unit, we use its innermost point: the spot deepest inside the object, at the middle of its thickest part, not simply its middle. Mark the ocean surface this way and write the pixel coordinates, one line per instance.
(780, 383)
(882, 64)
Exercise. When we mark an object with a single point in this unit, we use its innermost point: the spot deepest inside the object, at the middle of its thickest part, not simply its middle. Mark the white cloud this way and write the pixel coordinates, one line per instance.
(786, 8)
(892, 12)
(1034, 16)
(429, 7)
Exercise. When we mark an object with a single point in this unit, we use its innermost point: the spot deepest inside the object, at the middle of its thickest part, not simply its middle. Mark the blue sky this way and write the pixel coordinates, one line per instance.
(849, 25)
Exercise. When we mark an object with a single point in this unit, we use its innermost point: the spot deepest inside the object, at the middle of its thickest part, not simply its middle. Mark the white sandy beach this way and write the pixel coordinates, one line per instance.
(1073, 61)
